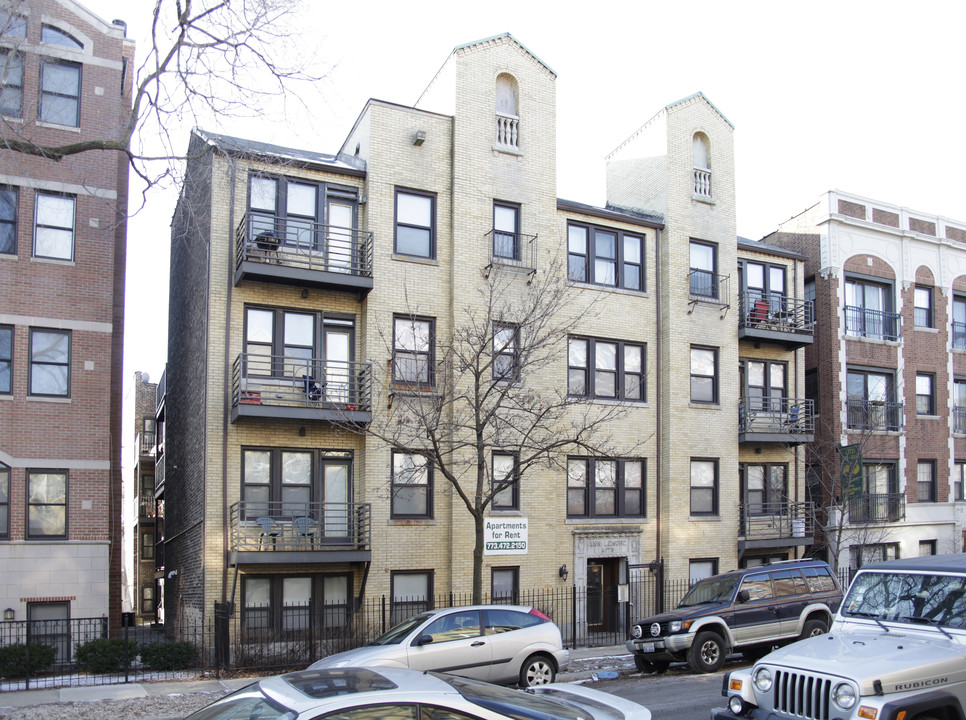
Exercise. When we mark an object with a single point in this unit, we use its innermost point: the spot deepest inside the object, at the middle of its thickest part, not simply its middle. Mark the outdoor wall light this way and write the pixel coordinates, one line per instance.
(563, 572)
(419, 138)
(8, 614)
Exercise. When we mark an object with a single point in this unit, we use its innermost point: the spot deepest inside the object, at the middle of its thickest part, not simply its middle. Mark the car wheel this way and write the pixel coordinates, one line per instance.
(813, 628)
(537, 670)
(707, 653)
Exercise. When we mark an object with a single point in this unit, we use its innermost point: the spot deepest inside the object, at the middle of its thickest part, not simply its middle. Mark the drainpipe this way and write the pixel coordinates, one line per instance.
(658, 429)
(227, 392)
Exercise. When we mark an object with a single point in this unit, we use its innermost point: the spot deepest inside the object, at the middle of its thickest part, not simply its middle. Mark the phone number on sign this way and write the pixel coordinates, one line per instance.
(506, 546)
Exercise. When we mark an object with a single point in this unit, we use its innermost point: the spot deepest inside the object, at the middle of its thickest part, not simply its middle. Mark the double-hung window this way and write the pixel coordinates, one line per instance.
(506, 352)
(959, 405)
(870, 401)
(606, 369)
(506, 231)
(60, 84)
(4, 501)
(925, 394)
(764, 283)
(922, 312)
(704, 486)
(49, 362)
(147, 546)
(600, 487)
(505, 482)
(926, 480)
(11, 83)
(505, 584)
(46, 504)
(276, 604)
(411, 591)
(765, 488)
(959, 481)
(704, 269)
(412, 350)
(959, 323)
(412, 485)
(765, 386)
(415, 223)
(6, 359)
(605, 256)
(54, 231)
(8, 219)
(869, 310)
(704, 375)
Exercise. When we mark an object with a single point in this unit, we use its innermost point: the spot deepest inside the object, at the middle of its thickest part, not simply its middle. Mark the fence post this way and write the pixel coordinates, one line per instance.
(127, 619)
(222, 639)
(27, 657)
(573, 616)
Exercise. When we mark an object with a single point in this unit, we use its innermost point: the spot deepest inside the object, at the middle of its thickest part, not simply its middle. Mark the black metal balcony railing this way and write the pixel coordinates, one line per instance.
(776, 312)
(159, 466)
(776, 520)
(291, 382)
(874, 508)
(146, 507)
(788, 416)
(160, 390)
(288, 527)
(959, 419)
(873, 415)
(512, 249)
(959, 336)
(304, 244)
(872, 324)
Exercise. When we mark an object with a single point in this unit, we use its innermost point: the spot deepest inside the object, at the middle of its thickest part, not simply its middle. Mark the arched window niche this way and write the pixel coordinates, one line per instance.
(507, 112)
(701, 152)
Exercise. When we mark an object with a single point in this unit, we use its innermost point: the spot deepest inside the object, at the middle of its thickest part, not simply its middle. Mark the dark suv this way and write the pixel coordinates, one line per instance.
(750, 610)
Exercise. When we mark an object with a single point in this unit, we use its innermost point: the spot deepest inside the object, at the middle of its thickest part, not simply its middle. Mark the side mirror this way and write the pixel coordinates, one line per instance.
(423, 640)
(743, 596)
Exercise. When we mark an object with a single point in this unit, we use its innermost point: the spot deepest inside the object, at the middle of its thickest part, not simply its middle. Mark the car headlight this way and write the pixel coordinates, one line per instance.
(843, 695)
(636, 632)
(674, 626)
(737, 705)
(763, 679)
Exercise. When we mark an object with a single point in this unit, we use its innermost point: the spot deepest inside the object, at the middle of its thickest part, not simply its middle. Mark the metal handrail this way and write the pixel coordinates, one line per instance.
(776, 415)
(873, 415)
(877, 507)
(774, 311)
(522, 249)
(298, 526)
(776, 520)
(873, 324)
(301, 382)
(708, 286)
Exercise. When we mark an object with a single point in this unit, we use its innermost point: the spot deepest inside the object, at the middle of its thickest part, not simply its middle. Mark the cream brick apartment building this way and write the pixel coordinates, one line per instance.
(887, 371)
(62, 259)
(310, 291)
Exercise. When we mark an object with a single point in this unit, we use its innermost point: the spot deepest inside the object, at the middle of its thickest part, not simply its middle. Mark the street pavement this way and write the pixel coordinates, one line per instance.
(586, 664)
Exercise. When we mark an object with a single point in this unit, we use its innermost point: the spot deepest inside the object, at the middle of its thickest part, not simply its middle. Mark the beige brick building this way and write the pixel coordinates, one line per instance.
(313, 295)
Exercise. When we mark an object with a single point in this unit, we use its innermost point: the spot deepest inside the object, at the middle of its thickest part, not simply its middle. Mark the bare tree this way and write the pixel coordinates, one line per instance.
(495, 385)
(204, 59)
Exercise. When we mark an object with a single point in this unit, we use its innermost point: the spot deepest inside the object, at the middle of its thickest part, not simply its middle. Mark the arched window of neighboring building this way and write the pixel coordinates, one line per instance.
(701, 151)
(507, 112)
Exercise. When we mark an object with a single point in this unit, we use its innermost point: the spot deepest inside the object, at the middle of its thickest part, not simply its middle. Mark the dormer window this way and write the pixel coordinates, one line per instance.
(56, 36)
(507, 114)
(701, 150)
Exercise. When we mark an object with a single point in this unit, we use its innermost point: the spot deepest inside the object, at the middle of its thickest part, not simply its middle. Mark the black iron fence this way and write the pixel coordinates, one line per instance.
(82, 651)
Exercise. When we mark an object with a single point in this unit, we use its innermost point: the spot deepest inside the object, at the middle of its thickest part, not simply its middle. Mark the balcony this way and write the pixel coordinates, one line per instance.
(511, 249)
(159, 477)
(144, 442)
(959, 420)
(871, 324)
(146, 507)
(777, 524)
(790, 421)
(702, 183)
(873, 415)
(286, 387)
(707, 287)
(303, 253)
(278, 532)
(959, 336)
(775, 318)
(507, 130)
(877, 508)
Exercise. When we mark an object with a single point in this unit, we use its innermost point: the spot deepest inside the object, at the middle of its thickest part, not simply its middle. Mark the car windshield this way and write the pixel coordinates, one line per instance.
(511, 703)
(249, 702)
(710, 590)
(398, 633)
(912, 598)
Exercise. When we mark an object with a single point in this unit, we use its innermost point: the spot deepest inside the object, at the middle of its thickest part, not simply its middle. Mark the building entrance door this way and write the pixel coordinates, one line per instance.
(602, 578)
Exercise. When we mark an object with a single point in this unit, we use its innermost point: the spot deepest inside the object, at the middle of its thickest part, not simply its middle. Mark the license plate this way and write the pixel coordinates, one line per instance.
(647, 647)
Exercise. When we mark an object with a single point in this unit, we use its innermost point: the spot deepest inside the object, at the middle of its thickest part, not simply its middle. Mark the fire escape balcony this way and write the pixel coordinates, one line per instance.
(286, 532)
(770, 317)
(303, 253)
(790, 421)
(286, 387)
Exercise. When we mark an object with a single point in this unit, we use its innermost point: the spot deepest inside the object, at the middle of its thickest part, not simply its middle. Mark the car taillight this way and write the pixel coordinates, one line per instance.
(534, 611)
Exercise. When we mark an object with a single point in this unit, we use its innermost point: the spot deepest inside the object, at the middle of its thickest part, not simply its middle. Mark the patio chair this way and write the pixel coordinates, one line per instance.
(270, 529)
(305, 531)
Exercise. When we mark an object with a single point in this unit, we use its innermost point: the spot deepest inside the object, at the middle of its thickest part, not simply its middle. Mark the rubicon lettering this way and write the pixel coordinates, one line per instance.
(916, 684)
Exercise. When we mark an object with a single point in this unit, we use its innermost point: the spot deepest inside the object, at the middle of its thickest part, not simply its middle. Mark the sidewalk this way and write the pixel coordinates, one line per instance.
(585, 663)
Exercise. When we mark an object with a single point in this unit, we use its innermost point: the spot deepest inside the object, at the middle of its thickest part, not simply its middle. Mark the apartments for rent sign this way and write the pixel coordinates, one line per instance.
(506, 537)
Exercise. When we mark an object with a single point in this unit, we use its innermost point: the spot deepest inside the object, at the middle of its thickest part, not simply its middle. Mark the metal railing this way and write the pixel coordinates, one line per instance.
(512, 249)
(872, 324)
(959, 419)
(874, 508)
(303, 244)
(282, 380)
(708, 286)
(873, 415)
(959, 335)
(790, 416)
(288, 526)
(773, 311)
(776, 520)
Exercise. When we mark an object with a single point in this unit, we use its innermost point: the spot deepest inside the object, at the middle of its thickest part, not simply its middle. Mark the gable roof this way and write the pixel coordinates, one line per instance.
(699, 96)
(512, 39)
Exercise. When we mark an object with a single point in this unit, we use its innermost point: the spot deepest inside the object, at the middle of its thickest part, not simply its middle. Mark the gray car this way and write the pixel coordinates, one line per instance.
(400, 694)
(498, 643)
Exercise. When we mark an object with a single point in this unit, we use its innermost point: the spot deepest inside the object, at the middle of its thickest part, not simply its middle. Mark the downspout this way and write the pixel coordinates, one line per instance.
(658, 396)
(227, 396)
(797, 452)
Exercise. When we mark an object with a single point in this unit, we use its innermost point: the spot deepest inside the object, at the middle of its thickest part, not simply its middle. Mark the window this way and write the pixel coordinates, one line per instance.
(868, 310)
(60, 84)
(506, 231)
(11, 83)
(415, 224)
(764, 386)
(863, 554)
(8, 218)
(926, 480)
(870, 401)
(959, 405)
(46, 504)
(506, 352)
(54, 232)
(12, 26)
(880, 501)
(286, 483)
(605, 369)
(49, 623)
(925, 398)
(6, 359)
(959, 481)
(927, 547)
(55, 36)
(507, 114)
(50, 362)
(699, 569)
(412, 486)
(809, 297)
(765, 488)
(959, 322)
(505, 584)
(4, 501)
(147, 546)
(147, 486)
(704, 375)
(704, 269)
(811, 388)
(412, 351)
(412, 593)
(598, 487)
(701, 154)
(765, 283)
(922, 314)
(604, 256)
(147, 600)
(704, 486)
(505, 469)
(276, 604)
